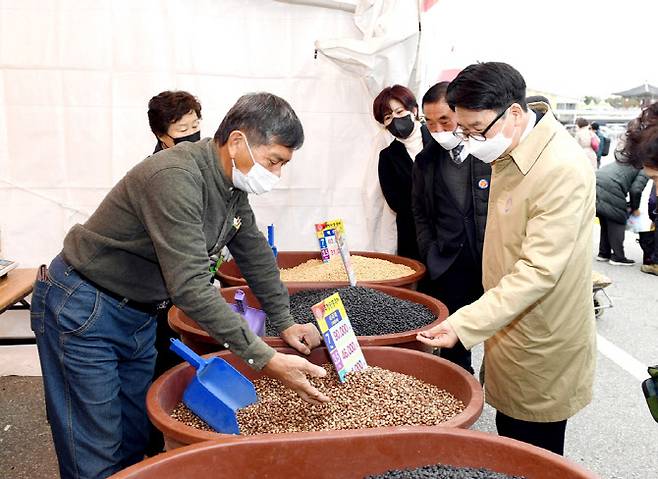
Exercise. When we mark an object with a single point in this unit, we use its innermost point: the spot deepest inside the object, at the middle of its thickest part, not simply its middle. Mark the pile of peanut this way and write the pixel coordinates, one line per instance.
(374, 397)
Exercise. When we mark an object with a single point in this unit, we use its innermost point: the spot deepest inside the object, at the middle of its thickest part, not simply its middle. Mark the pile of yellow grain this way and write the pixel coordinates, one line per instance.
(366, 269)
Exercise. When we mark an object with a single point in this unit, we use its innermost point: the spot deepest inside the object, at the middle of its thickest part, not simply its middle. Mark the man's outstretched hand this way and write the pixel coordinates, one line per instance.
(291, 370)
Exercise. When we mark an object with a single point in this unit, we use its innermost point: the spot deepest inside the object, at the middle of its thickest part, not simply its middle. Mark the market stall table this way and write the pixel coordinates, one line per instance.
(15, 286)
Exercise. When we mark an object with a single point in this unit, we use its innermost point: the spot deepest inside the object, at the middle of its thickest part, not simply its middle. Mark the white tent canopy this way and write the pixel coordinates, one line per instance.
(76, 77)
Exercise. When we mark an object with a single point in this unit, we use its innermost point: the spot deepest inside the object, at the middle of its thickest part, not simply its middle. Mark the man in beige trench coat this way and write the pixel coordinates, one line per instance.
(536, 316)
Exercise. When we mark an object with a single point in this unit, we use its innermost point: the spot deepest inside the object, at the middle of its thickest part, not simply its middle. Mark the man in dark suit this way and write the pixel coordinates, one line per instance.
(450, 193)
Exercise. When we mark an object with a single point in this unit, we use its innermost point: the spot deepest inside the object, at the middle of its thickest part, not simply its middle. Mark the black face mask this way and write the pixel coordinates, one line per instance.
(401, 127)
(193, 137)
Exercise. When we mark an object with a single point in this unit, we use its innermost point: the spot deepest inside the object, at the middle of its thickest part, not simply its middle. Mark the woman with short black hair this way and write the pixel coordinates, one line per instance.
(174, 116)
(396, 109)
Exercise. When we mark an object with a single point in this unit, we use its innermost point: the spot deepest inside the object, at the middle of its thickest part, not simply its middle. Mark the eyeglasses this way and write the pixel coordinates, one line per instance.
(479, 136)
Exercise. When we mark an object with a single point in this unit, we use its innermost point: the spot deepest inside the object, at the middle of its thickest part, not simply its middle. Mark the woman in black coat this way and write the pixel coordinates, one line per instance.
(174, 116)
(397, 110)
(613, 183)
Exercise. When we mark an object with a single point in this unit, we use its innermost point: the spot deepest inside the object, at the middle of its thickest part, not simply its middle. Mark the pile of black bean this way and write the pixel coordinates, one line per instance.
(371, 312)
(440, 471)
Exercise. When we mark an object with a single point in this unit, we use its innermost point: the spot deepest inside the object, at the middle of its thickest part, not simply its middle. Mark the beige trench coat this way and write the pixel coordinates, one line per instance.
(536, 315)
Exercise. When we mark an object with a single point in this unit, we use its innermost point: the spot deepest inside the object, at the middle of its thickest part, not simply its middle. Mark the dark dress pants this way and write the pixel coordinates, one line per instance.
(611, 244)
(547, 435)
(460, 285)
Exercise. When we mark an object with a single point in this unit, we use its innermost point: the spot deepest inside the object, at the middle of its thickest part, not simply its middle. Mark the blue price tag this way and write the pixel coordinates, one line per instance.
(333, 319)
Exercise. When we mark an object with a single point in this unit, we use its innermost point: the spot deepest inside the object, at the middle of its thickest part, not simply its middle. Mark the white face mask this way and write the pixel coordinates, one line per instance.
(489, 150)
(446, 139)
(258, 179)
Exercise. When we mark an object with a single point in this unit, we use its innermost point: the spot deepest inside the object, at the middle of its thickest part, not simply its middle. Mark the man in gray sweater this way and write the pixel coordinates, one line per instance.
(151, 242)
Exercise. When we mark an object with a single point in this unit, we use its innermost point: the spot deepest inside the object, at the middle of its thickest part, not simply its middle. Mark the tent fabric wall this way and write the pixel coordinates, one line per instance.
(76, 76)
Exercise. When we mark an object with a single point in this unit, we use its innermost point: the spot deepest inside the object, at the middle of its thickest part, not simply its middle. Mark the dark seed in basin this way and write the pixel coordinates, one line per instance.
(371, 312)
(440, 471)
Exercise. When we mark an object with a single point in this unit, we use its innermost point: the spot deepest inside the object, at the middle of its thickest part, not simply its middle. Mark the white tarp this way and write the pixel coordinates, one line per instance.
(385, 54)
(76, 76)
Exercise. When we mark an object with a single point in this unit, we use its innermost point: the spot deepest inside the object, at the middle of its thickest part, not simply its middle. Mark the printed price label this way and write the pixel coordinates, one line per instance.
(326, 234)
(333, 242)
(339, 336)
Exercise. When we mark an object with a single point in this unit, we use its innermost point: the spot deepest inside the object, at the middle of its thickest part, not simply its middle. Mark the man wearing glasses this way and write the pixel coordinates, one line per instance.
(450, 192)
(536, 316)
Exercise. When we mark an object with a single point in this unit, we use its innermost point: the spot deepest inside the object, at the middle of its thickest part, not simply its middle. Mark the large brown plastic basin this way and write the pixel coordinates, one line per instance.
(202, 343)
(229, 274)
(167, 391)
(360, 454)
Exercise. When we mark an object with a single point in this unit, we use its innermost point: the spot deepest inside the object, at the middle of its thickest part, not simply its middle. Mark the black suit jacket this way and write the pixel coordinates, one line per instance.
(394, 169)
(442, 228)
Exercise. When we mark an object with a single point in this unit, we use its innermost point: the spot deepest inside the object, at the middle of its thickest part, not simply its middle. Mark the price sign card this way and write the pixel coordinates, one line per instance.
(339, 336)
(326, 234)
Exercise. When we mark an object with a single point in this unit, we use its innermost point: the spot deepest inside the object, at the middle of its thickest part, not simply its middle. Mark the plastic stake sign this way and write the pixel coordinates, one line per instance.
(339, 336)
(333, 242)
(345, 256)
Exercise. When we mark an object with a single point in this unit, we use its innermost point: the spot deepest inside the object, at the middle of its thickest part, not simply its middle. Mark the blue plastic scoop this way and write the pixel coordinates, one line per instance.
(217, 390)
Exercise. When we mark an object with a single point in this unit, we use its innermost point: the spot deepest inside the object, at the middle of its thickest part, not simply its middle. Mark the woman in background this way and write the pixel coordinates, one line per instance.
(614, 183)
(641, 151)
(396, 109)
(174, 116)
(584, 135)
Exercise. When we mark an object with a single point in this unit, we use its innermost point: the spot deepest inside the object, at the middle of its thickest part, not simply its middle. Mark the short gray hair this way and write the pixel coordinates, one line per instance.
(265, 119)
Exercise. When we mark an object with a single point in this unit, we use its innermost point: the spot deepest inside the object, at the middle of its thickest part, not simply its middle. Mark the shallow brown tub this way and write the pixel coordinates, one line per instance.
(202, 343)
(360, 454)
(229, 274)
(167, 391)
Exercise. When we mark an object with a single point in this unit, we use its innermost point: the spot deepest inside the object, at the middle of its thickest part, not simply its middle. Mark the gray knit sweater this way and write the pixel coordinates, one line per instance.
(151, 238)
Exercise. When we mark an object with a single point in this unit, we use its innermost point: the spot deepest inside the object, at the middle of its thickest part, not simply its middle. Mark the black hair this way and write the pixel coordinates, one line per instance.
(265, 118)
(487, 86)
(641, 144)
(436, 93)
(381, 106)
(168, 107)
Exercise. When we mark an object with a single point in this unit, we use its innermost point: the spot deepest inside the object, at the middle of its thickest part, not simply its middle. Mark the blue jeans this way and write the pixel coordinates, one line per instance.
(97, 357)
